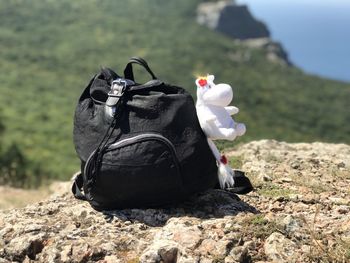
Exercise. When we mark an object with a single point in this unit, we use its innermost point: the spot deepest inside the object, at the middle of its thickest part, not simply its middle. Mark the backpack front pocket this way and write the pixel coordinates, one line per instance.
(138, 171)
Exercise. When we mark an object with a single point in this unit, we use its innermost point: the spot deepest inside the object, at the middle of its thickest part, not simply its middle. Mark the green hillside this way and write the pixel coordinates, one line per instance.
(50, 49)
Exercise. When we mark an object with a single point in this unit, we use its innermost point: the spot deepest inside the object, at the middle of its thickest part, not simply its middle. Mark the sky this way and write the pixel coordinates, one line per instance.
(316, 34)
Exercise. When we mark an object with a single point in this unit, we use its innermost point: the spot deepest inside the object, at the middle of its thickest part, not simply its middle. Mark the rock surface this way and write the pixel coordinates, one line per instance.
(231, 19)
(299, 212)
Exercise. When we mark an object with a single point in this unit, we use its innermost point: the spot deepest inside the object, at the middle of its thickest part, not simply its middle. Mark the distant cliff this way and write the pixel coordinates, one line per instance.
(231, 19)
(237, 22)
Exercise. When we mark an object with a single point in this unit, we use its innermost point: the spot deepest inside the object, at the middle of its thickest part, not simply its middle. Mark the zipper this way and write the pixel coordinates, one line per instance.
(139, 138)
(145, 137)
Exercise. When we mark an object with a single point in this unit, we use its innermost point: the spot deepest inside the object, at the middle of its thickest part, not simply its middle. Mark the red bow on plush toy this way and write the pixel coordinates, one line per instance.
(202, 82)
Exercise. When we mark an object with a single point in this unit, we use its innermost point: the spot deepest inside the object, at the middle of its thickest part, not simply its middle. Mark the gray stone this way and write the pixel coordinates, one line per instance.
(278, 248)
(24, 245)
(214, 248)
(291, 224)
(184, 231)
(161, 251)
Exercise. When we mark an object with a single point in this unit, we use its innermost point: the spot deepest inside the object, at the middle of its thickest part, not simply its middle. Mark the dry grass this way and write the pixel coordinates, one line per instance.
(341, 174)
(273, 190)
(15, 197)
(260, 227)
(134, 260)
(257, 227)
(236, 162)
(326, 248)
(315, 186)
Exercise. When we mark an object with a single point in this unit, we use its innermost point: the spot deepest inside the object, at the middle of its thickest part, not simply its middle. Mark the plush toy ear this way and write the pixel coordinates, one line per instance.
(210, 78)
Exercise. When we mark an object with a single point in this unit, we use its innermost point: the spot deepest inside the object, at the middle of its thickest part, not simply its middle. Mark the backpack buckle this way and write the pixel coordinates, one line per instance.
(117, 90)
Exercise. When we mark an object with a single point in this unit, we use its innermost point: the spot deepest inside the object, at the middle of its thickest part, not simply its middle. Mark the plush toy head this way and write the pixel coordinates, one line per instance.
(214, 112)
(209, 93)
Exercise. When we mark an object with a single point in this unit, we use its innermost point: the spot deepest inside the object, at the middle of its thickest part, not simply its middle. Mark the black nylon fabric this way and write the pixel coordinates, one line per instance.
(161, 153)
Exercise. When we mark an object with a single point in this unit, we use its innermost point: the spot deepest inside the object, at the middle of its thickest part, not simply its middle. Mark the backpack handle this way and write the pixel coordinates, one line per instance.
(128, 71)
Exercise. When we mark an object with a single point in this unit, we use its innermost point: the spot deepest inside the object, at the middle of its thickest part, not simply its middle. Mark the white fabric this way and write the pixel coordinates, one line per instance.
(214, 116)
(213, 111)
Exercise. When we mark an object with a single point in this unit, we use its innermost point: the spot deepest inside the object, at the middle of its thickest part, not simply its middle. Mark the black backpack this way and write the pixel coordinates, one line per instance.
(140, 145)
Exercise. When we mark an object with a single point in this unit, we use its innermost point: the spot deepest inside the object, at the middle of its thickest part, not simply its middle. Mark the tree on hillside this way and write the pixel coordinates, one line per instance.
(14, 166)
(2, 129)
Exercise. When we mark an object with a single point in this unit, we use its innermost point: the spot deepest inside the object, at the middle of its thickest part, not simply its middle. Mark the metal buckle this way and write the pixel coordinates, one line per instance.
(117, 89)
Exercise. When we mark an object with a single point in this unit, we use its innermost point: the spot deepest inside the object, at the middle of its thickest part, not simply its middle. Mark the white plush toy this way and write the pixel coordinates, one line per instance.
(214, 116)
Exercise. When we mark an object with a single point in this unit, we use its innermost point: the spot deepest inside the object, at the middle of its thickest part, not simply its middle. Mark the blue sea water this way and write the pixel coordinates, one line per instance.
(315, 33)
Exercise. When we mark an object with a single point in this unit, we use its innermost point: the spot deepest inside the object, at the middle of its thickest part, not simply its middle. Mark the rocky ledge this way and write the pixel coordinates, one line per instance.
(299, 212)
(237, 22)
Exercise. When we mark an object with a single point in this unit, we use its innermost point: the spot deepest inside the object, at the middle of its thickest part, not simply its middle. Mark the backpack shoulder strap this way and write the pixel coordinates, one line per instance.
(77, 187)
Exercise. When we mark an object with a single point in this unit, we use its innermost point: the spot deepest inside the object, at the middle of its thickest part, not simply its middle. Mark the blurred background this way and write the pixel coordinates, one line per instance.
(316, 34)
(286, 60)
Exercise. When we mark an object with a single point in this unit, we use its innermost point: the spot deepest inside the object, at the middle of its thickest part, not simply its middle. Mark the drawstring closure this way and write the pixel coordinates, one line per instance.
(94, 162)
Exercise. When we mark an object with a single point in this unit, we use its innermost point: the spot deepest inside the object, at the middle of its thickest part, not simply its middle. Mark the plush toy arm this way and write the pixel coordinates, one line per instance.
(232, 110)
(210, 118)
(205, 115)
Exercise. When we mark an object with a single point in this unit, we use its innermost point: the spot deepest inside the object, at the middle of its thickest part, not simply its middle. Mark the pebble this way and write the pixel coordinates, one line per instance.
(343, 209)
